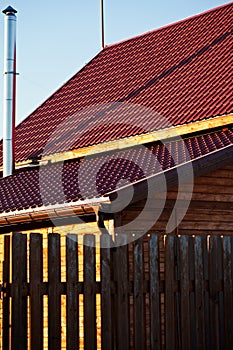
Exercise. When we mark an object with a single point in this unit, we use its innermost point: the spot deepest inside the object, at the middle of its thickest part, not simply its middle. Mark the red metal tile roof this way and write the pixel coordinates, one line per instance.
(182, 71)
(96, 176)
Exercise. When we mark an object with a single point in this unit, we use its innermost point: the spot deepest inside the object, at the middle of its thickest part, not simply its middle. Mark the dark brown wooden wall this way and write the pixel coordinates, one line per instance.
(210, 210)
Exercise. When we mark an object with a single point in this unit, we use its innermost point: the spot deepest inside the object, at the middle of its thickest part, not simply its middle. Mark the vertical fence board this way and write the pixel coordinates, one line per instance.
(90, 337)
(121, 266)
(170, 327)
(155, 311)
(106, 298)
(6, 299)
(19, 299)
(36, 300)
(220, 316)
(184, 293)
(177, 318)
(114, 296)
(72, 300)
(54, 296)
(191, 262)
(139, 311)
(199, 293)
(205, 249)
(227, 287)
(214, 297)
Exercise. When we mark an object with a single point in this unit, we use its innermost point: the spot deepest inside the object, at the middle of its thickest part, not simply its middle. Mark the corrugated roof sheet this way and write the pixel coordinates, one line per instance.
(182, 71)
(96, 176)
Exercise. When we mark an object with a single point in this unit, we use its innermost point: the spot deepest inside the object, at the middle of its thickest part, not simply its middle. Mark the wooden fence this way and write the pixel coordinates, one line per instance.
(159, 292)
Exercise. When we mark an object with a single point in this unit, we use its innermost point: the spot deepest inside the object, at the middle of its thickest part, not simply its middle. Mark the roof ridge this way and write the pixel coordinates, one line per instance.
(168, 25)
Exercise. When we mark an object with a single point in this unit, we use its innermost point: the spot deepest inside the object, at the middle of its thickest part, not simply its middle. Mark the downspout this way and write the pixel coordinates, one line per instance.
(100, 222)
(100, 216)
(9, 90)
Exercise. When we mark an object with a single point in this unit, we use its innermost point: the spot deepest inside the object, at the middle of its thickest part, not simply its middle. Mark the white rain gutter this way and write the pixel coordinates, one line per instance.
(88, 206)
(9, 90)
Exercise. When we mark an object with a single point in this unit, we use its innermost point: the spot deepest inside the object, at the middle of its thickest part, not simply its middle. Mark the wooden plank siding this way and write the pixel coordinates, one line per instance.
(209, 212)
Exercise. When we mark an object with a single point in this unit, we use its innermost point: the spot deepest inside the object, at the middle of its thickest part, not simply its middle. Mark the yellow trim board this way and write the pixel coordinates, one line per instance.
(135, 140)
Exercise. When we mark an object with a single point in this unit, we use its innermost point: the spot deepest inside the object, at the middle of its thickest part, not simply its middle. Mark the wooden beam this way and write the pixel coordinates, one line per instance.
(172, 132)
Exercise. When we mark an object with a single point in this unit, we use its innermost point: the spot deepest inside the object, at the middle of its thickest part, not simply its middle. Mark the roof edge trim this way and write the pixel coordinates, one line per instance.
(65, 82)
(191, 161)
(217, 158)
(212, 9)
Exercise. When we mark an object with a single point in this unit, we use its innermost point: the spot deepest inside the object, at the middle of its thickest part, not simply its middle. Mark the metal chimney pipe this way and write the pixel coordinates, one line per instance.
(102, 23)
(9, 90)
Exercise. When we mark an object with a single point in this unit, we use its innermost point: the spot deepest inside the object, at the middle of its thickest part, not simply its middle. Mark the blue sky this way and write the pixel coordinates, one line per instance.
(57, 38)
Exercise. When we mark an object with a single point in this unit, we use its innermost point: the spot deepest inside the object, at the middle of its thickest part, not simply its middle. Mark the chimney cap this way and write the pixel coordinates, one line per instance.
(9, 9)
